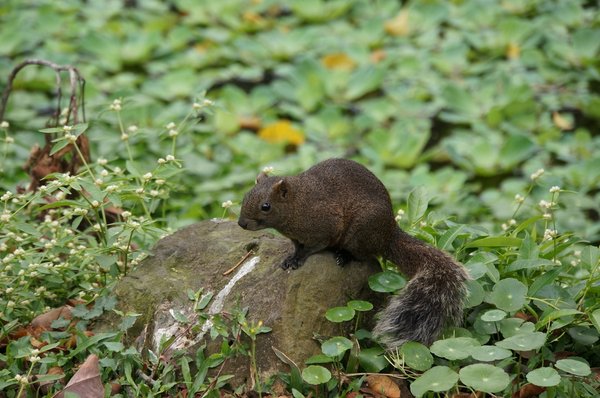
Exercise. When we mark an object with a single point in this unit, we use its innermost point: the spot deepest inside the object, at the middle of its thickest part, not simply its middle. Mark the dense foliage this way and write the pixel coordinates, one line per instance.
(481, 117)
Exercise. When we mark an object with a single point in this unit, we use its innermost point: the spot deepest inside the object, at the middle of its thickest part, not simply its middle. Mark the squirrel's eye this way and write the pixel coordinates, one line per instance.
(265, 206)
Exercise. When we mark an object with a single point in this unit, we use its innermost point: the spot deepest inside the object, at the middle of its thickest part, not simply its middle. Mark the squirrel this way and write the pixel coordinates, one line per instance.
(340, 205)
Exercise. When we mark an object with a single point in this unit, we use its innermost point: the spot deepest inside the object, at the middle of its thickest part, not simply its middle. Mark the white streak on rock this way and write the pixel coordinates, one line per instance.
(219, 300)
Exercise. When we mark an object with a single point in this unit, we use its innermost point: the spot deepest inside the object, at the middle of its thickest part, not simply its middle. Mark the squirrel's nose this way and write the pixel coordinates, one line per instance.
(243, 223)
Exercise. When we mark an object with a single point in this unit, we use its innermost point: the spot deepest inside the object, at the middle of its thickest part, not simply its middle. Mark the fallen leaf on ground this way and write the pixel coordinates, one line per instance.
(86, 382)
(383, 385)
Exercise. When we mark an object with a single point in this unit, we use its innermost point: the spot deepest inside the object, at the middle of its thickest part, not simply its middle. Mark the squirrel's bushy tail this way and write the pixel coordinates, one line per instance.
(432, 299)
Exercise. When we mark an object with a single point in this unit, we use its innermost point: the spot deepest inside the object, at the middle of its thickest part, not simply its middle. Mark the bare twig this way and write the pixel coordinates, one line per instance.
(74, 78)
(42, 161)
(230, 270)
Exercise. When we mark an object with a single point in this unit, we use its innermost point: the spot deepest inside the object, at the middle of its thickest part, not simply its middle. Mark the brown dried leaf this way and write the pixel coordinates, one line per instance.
(44, 321)
(250, 123)
(377, 56)
(383, 385)
(529, 391)
(45, 385)
(86, 382)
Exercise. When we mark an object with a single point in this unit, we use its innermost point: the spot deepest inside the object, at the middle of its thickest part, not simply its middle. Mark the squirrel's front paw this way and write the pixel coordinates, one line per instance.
(291, 262)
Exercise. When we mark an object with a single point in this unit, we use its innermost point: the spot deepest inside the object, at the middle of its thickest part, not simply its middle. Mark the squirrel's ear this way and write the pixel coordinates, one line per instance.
(260, 177)
(280, 188)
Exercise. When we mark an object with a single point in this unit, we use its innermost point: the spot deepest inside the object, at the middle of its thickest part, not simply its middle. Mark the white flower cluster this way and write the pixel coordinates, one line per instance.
(116, 105)
(550, 234)
(537, 174)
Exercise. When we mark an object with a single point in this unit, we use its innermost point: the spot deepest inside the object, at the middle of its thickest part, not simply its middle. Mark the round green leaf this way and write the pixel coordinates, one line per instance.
(509, 294)
(573, 366)
(493, 316)
(339, 314)
(488, 353)
(523, 342)
(416, 355)
(454, 348)
(583, 335)
(336, 346)
(512, 326)
(360, 305)
(437, 379)
(544, 377)
(315, 374)
(476, 294)
(386, 282)
(484, 377)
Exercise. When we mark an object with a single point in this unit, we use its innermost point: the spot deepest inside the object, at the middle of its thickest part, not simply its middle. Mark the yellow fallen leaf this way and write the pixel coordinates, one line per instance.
(398, 26)
(561, 122)
(513, 50)
(338, 61)
(281, 131)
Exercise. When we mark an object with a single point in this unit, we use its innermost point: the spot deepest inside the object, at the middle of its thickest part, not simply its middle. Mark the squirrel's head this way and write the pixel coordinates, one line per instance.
(262, 205)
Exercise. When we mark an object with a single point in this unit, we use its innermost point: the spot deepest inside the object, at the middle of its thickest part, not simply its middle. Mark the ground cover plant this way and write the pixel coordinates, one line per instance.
(481, 117)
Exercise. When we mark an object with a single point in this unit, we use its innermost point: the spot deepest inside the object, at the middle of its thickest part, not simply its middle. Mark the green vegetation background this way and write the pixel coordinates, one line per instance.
(466, 99)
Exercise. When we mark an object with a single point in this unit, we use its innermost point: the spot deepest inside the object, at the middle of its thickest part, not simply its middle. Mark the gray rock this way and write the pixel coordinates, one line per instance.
(292, 303)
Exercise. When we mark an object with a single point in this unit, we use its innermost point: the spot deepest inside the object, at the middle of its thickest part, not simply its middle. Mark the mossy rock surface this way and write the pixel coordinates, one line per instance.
(291, 302)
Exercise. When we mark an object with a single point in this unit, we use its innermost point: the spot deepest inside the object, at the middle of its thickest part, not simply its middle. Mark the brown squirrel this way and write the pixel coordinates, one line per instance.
(339, 204)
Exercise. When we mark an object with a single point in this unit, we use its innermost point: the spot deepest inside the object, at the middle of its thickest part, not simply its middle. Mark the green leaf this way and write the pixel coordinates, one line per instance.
(448, 237)
(484, 377)
(493, 315)
(523, 342)
(509, 295)
(476, 294)
(583, 335)
(114, 346)
(204, 300)
(574, 366)
(179, 316)
(315, 374)
(372, 359)
(590, 256)
(529, 264)
(416, 356)
(417, 204)
(386, 282)
(544, 377)
(512, 326)
(436, 379)
(319, 358)
(339, 314)
(363, 81)
(454, 348)
(545, 279)
(60, 144)
(490, 353)
(495, 241)
(595, 318)
(360, 305)
(558, 314)
(295, 376)
(336, 346)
